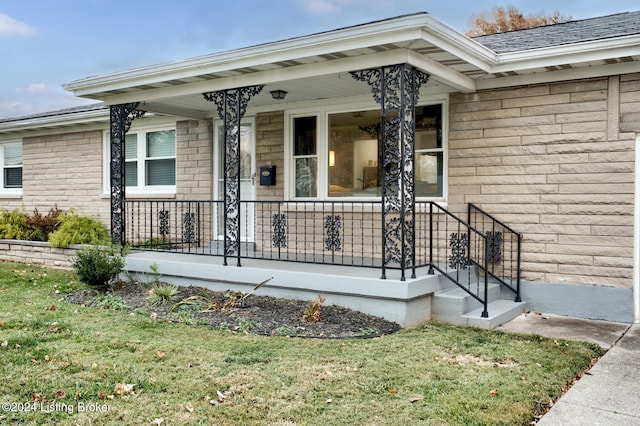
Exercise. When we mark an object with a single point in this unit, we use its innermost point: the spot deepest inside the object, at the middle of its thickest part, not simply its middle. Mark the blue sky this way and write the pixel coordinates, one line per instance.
(44, 44)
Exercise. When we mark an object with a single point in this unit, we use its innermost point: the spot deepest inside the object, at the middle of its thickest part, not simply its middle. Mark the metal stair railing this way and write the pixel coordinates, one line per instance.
(502, 255)
(457, 251)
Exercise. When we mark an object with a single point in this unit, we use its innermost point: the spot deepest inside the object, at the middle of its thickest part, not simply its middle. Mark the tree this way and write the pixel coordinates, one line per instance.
(510, 19)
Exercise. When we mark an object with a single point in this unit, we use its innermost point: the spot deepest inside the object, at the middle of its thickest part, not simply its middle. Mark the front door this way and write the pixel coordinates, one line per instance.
(247, 178)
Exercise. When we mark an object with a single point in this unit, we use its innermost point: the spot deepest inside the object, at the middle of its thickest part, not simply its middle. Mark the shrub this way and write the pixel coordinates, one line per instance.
(14, 226)
(162, 294)
(98, 266)
(46, 224)
(79, 230)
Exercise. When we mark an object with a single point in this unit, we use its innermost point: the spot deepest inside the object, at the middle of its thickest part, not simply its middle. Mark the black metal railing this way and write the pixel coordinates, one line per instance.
(470, 253)
(454, 248)
(503, 249)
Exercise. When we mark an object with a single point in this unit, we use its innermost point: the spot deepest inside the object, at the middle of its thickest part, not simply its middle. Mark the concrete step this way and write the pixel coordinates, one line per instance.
(500, 311)
(450, 304)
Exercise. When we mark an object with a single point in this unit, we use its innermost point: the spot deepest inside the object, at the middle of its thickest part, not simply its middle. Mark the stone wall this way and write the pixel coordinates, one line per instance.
(37, 253)
(552, 161)
(63, 170)
(270, 152)
(194, 160)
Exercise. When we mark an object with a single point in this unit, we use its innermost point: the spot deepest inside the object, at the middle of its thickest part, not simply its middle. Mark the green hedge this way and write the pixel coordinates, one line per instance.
(59, 228)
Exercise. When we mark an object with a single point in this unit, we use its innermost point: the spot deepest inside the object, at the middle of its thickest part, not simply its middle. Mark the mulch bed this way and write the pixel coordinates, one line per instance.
(258, 314)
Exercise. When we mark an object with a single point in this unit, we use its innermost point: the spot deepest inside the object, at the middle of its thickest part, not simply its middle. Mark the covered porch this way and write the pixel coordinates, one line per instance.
(389, 228)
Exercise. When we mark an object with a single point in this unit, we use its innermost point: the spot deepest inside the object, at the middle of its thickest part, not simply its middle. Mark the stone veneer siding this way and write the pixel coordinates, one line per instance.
(63, 170)
(194, 160)
(553, 161)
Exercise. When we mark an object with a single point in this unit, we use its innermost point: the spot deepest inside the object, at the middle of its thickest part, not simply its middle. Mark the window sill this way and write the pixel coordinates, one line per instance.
(145, 195)
(10, 195)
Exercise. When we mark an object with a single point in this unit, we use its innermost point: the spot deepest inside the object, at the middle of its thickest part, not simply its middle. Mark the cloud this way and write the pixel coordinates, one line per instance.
(36, 88)
(324, 7)
(10, 26)
(37, 98)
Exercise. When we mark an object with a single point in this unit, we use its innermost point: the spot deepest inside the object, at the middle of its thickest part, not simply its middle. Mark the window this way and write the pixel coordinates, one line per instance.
(305, 156)
(338, 154)
(150, 161)
(11, 161)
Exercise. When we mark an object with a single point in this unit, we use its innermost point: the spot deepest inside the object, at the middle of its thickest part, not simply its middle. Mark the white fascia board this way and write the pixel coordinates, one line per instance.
(559, 75)
(596, 50)
(65, 120)
(459, 45)
(384, 32)
(441, 73)
(335, 66)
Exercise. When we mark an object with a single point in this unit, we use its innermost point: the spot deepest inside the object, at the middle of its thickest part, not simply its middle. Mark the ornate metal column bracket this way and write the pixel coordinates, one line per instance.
(396, 88)
(120, 116)
(231, 106)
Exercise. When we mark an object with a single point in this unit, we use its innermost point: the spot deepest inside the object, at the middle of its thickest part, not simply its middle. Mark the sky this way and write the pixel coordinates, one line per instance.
(45, 44)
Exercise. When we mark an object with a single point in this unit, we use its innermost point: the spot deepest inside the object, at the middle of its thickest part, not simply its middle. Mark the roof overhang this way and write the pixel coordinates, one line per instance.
(317, 66)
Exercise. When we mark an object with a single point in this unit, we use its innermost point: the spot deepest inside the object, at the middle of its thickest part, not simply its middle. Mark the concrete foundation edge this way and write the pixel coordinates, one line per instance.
(580, 301)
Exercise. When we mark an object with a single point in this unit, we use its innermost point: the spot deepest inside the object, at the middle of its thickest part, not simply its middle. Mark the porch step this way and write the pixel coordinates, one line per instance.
(500, 311)
(454, 305)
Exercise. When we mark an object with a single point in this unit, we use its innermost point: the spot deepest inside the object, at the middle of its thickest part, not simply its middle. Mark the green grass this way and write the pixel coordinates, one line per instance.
(434, 374)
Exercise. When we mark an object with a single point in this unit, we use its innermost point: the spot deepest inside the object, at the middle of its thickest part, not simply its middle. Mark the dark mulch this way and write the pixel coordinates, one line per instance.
(258, 314)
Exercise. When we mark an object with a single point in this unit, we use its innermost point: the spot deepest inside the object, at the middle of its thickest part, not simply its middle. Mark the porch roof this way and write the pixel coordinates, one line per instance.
(316, 66)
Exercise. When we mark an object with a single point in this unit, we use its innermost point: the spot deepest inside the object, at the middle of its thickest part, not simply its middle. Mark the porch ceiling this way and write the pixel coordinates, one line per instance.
(317, 67)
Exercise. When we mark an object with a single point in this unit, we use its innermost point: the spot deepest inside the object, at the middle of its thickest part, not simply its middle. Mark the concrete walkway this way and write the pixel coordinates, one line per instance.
(610, 393)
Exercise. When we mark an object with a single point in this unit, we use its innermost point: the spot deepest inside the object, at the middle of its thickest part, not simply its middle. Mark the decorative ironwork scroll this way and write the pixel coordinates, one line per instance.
(332, 227)
(163, 223)
(279, 224)
(188, 227)
(120, 116)
(232, 105)
(396, 89)
(459, 244)
(494, 246)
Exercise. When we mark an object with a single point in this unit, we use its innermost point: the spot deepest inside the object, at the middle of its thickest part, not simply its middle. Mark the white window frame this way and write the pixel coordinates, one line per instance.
(10, 192)
(322, 114)
(140, 190)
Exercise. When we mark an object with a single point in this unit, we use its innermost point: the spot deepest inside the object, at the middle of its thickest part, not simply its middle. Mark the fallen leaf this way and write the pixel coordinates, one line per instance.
(102, 395)
(1, 324)
(188, 407)
(415, 399)
(154, 315)
(5, 344)
(37, 397)
(158, 421)
(52, 308)
(493, 392)
(65, 363)
(221, 396)
(329, 401)
(160, 354)
(124, 388)
(60, 393)
(392, 391)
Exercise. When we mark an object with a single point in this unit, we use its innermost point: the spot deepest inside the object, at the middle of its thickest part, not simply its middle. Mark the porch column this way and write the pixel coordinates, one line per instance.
(120, 118)
(232, 105)
(396, 89)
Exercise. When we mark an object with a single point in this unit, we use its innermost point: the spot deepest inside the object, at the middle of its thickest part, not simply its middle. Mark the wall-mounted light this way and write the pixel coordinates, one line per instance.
(332, 158)
(278, 94)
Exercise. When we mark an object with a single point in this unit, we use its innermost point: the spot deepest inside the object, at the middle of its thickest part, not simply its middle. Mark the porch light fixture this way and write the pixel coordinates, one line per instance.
(278, 94)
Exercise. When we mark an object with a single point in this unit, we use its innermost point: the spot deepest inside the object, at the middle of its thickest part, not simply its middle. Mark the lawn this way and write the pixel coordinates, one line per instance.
(71, 364)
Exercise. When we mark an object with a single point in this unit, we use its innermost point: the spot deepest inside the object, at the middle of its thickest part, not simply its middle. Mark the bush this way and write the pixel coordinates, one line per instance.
(98, 266)
(46, 224)
(14, 226)
(76, 229)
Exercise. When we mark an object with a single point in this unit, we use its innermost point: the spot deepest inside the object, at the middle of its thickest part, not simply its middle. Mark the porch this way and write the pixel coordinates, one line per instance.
(461, 271)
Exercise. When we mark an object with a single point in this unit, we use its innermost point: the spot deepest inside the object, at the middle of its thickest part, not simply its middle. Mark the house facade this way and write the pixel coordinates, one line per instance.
(377, 146)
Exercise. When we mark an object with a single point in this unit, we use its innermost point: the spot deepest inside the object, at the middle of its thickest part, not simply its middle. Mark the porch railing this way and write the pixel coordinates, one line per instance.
(503, 248)
(469, 253)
